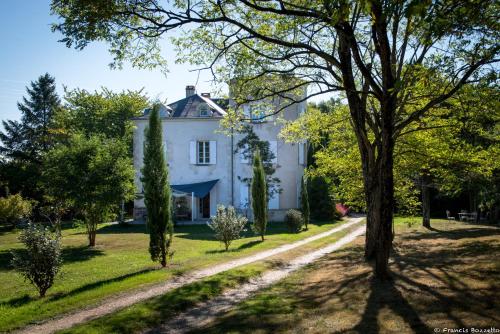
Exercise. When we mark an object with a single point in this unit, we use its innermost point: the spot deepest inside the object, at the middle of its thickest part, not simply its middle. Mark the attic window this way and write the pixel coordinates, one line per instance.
(204, 110)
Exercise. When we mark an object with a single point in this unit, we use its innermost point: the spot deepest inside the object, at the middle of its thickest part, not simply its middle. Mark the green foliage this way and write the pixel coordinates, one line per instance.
(259, 196)
(28, 139)
(227, 225)
(453, 146)
(304, 202)
(157, 196)
(321, 203)
(24, 142)
(294, 219)
(93, 16)
(269, 50)
(13, 209)
(105, 113)
(90, 173)
(41, 260)
(248, 145)
(336, 173)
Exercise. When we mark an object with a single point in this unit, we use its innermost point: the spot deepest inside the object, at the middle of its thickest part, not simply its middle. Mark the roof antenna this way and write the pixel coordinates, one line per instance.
(197, 79)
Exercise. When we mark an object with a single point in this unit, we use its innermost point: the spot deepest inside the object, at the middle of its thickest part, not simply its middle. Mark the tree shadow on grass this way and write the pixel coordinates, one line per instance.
(454, 233)
(69, 255)
(155, 311)
(246, 245)
(433, 285)
(249, 244)
(17, 301)
(203, 232)
(386, 294)
(123, 228)
(5, 259)
(79, 253)
(98, 284)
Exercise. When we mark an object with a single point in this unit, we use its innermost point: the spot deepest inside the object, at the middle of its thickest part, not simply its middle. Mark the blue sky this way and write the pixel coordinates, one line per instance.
(29, 49)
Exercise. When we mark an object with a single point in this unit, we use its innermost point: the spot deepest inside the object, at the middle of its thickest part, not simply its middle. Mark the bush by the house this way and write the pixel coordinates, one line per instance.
(321, 203)
(294, 220)
(13, 209)
(40, 262)
(227, 225)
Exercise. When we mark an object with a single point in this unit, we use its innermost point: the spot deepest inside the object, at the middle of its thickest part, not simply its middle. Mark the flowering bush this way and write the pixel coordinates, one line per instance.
(41, 261)
(227, 225)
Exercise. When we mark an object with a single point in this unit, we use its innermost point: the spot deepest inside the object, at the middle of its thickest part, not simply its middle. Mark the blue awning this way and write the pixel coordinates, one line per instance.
(200, 190)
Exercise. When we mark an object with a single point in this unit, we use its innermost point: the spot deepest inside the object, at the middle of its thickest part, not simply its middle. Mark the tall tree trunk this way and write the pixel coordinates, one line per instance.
(379, 194)
(385, 204)
(163, 260)
(376, 154)
(92, 235)
(372, 207)
(426, 201)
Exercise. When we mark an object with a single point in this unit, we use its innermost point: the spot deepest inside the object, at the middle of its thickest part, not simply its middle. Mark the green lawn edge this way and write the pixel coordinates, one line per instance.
(26, 309)
(155, 311)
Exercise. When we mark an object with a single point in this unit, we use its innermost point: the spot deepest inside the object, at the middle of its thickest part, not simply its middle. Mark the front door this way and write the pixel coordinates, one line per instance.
(205, 206)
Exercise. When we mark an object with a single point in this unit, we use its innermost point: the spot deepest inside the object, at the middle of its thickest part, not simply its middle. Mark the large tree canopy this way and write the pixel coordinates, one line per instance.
(24, 142)
(378, 53)
(28, 139)
(90, 173)
(456, 152)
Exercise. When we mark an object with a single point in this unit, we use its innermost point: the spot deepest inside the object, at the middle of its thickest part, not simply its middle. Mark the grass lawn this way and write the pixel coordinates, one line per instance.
(445, 277)
(152, 313)
(118, 263)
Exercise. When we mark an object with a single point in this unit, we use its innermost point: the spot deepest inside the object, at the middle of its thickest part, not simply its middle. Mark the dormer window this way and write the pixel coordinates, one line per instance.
(204, 110)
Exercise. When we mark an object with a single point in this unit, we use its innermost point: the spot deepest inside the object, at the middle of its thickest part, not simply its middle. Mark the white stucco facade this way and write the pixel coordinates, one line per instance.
(182, 137)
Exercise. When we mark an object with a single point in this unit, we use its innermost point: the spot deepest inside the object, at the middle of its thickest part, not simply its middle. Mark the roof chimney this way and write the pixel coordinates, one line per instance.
(205, 95)
(190, 90)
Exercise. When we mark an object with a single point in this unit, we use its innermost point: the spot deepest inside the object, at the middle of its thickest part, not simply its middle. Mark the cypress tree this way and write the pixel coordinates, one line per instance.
(259, 196)
(304, 201)
(157, 196)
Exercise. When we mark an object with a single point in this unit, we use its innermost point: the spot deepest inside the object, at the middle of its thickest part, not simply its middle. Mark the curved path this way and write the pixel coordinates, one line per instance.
(116, 303)
(205, 313)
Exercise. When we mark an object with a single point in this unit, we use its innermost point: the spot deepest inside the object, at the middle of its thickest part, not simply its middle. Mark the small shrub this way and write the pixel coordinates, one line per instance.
(294, 220)
(227, 225)
(13, 209)
(410, 223)
(42, 260)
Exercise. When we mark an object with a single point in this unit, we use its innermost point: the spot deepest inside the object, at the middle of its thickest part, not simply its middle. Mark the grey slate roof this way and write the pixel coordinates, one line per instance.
(189, 107)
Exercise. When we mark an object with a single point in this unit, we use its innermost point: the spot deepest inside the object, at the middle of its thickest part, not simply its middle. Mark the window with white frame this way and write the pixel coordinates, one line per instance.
(204, 110)
(203, 152)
